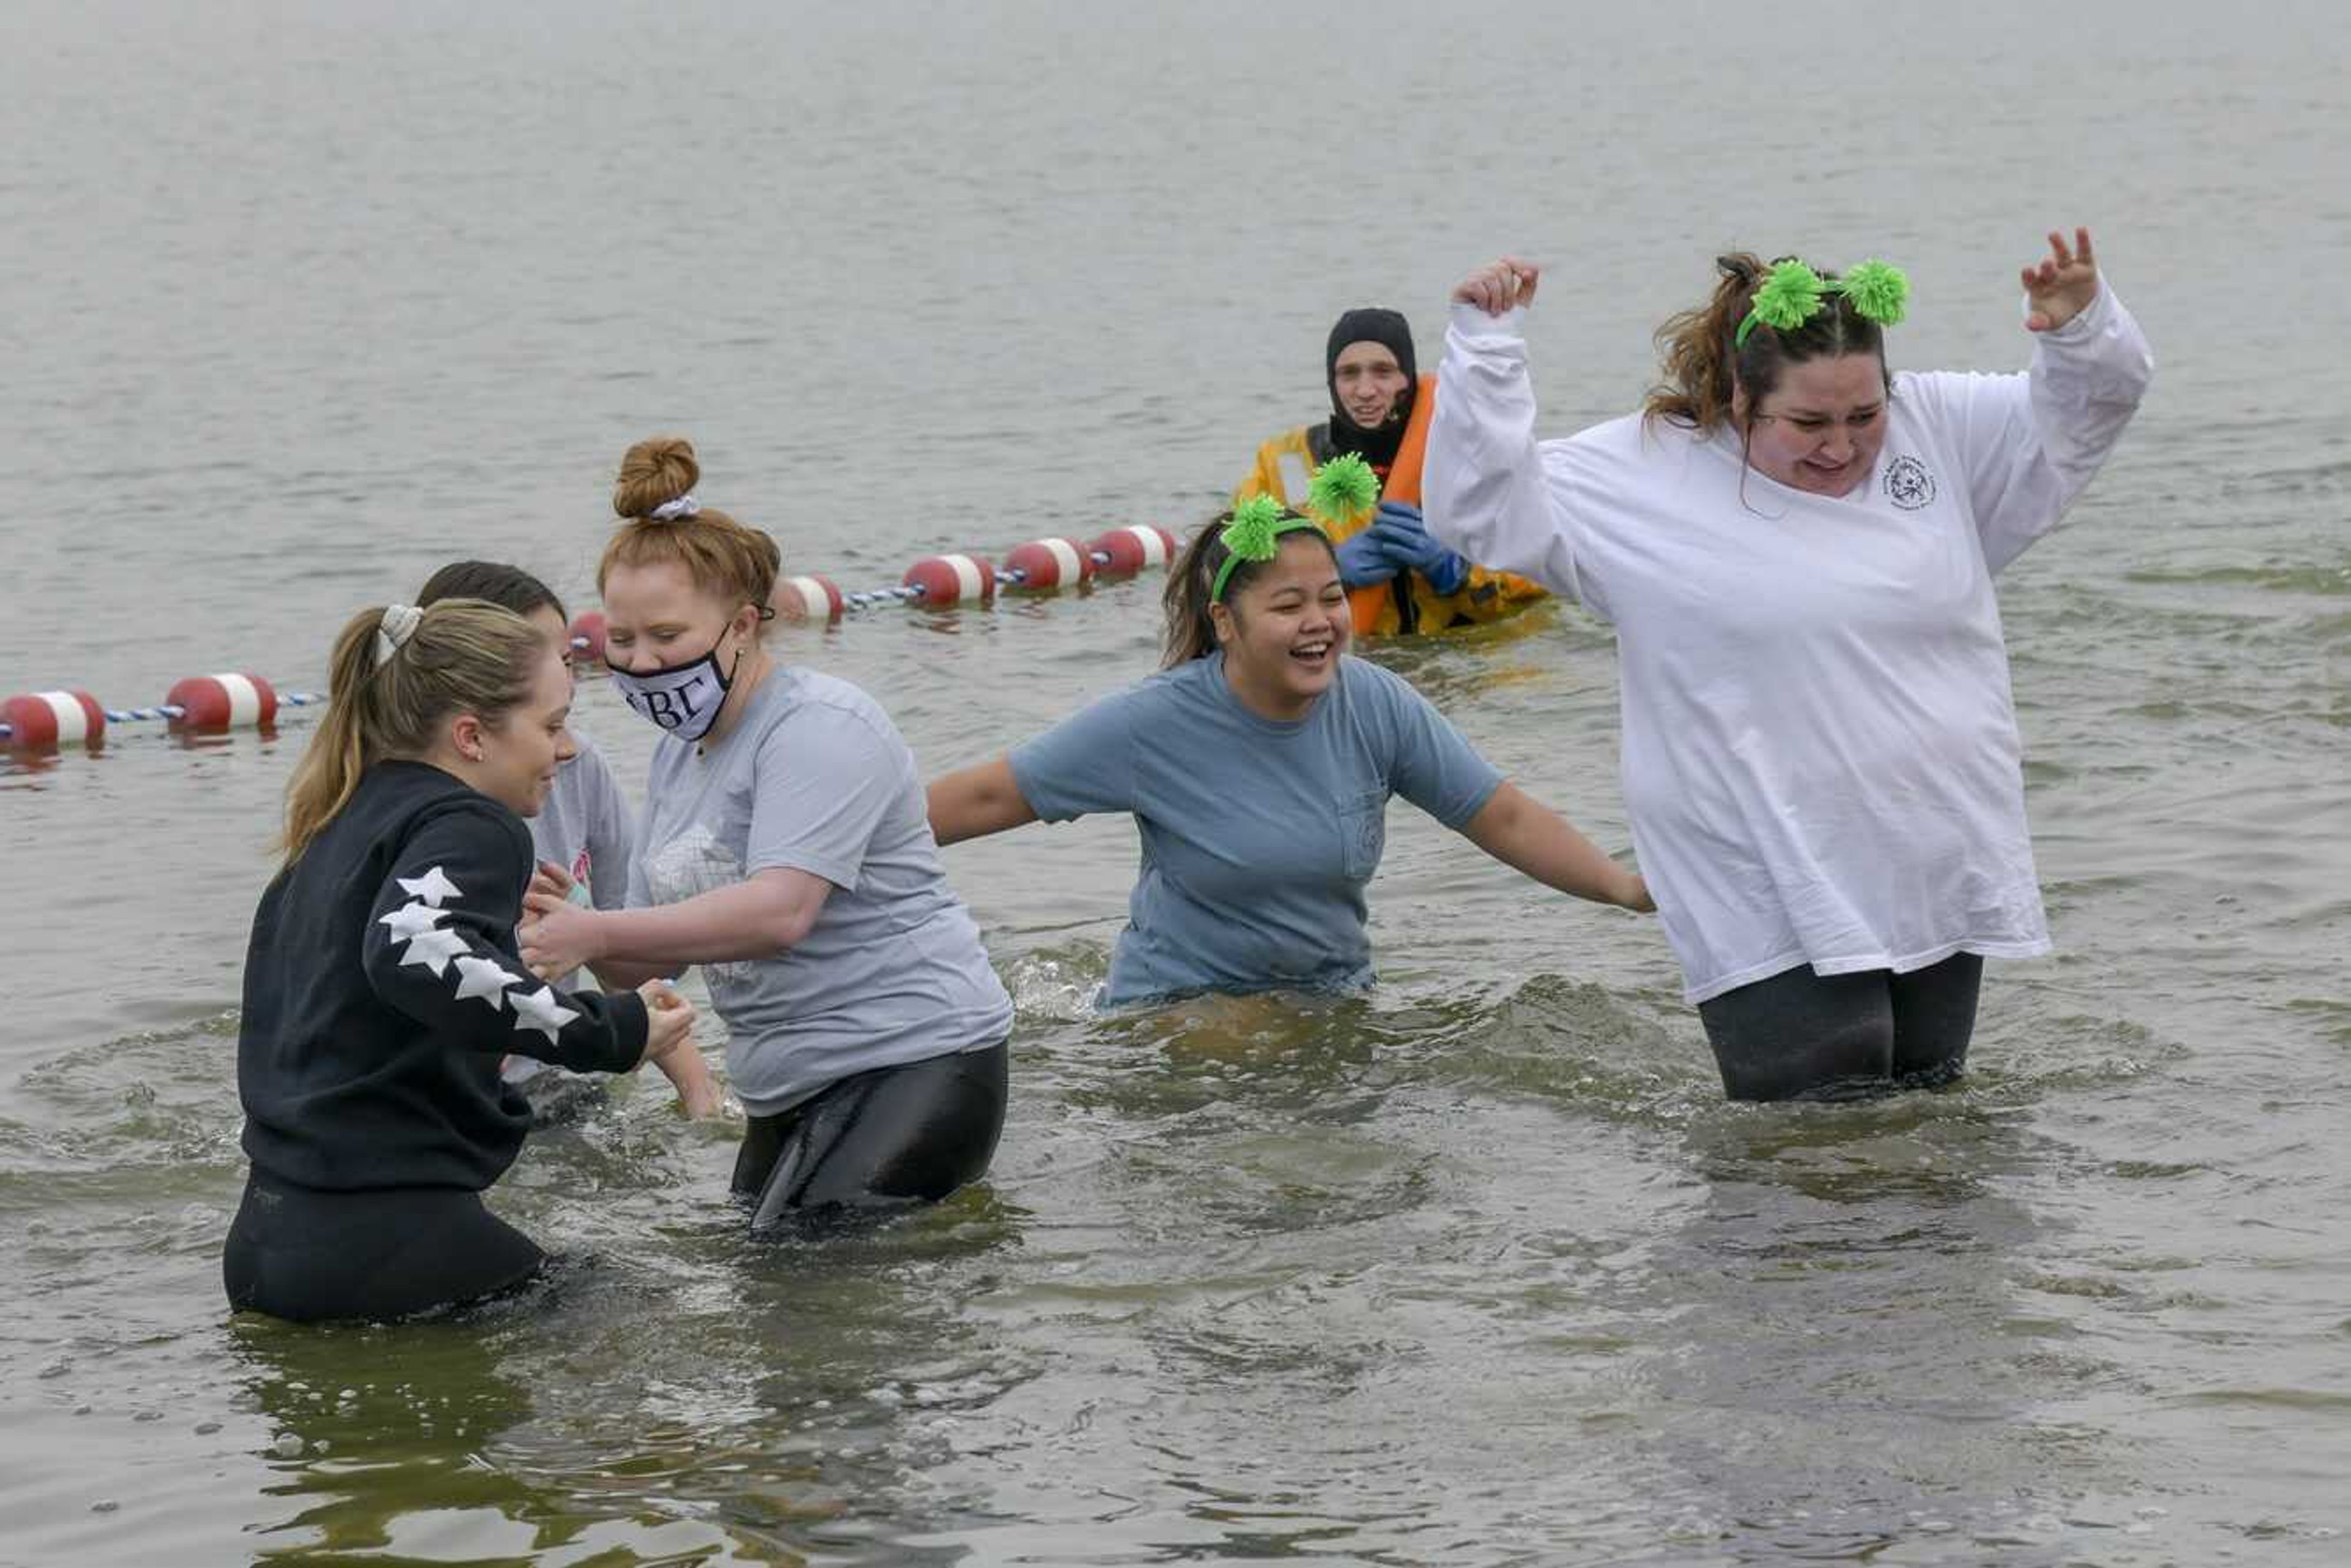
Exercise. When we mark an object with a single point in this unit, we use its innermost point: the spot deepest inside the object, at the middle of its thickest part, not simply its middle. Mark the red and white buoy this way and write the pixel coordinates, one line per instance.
(951, 578)
(1125, 552)
(809, 599)
(41, 721)
(1048, 563)
(223, 702)
(588, 636)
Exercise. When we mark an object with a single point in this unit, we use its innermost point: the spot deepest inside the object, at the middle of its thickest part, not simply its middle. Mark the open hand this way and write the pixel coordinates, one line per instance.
(1499, 284)
(2060, 287)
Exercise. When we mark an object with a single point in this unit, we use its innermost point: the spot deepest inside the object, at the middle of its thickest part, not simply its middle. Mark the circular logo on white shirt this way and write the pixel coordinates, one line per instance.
(1908, 484)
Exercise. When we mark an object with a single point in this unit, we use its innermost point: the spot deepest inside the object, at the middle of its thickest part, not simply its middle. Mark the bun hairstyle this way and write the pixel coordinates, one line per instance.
(662, 522)
(1704, 362)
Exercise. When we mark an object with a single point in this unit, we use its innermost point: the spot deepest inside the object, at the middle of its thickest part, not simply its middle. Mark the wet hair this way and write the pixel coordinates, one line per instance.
(507, 587)
(1191, 631)
(463, 656)
(725, 560)
(1703, 361)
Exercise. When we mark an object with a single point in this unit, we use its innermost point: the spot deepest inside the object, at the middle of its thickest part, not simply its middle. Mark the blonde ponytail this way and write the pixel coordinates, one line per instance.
(463, 655)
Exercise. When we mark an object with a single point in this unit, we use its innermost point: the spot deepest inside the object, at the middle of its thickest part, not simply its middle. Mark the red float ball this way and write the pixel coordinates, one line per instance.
(951, 578)
(588, 637)
(808, 599)
(42, 721)
(223, 702)
(1050, 563)
(1133, 548)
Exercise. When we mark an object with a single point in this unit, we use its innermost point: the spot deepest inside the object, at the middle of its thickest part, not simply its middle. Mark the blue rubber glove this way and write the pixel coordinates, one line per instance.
(1405, 540)
(1362, 559)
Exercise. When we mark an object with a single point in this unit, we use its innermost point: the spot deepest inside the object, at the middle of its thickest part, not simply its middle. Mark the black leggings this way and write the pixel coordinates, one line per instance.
(876, 1140)
(310, 1256)
(1799, 1035)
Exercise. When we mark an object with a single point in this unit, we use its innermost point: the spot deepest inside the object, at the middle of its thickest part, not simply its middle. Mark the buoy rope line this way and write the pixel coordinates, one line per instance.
(937, 581)
(47, 721)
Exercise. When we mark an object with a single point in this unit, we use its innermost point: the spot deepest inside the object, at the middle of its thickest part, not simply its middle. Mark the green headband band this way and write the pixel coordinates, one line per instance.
(1793, 294)
(1254, 534)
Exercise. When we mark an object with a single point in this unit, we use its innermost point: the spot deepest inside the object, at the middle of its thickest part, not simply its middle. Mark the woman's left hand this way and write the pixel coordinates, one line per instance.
(1635, 896)
(558, 936)
(2062, 287)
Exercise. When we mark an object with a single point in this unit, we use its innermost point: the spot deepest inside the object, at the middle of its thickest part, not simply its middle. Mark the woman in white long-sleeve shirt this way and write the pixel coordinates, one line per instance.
(1797, 551)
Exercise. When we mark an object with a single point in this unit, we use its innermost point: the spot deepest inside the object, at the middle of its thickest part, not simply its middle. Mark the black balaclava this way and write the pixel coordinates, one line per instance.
(1392, 332)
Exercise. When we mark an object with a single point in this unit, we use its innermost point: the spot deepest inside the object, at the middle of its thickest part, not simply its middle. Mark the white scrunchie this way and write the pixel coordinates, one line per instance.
(670, 511)
(398, 625)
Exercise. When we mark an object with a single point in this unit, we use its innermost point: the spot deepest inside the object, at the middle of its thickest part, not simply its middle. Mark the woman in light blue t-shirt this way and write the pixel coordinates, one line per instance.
(1257, 766)
(784, 849)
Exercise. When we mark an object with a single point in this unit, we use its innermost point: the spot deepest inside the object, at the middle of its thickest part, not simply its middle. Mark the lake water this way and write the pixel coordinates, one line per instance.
(298, 301)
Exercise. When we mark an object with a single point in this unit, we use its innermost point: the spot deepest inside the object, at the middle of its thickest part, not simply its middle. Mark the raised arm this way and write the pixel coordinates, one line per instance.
(1484, 491)
(2030, 444)
(972, 802)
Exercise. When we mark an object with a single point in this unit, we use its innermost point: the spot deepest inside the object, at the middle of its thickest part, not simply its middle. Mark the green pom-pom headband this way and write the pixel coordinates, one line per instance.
(1254, 534)
(1793, 294)
(1344, 490)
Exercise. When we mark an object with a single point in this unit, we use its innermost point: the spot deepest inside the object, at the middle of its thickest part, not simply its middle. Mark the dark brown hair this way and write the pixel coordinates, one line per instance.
(493, 582)
(1703, 360)
(1191, 633)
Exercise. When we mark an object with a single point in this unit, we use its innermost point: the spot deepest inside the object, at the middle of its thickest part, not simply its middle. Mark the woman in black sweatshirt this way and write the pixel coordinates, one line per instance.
(382, 983)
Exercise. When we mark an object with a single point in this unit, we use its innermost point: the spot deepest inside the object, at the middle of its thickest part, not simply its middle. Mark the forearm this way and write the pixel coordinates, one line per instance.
(750, 920)
(1532, 838)
(2087, 379)
(972, 802)
(627, 975)
(1485, 494)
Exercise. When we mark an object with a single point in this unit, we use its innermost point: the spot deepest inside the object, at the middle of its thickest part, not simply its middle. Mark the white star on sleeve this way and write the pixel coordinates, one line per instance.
(484, 979)
(539, 1010)
(412, 920)
(432, 887)
(434, 949)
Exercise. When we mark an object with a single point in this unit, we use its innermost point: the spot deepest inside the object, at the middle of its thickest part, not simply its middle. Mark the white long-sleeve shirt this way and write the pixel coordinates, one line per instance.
(1821, 759)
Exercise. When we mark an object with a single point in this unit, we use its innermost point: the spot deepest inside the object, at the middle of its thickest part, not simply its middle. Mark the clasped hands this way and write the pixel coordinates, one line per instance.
(1397, 541)
(558, 936)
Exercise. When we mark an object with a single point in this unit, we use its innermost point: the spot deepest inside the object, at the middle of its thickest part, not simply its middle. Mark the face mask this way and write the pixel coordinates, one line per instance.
(684, 699)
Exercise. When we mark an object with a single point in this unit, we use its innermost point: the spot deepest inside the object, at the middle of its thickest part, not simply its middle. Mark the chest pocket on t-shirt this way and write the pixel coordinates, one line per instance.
(1362, 831)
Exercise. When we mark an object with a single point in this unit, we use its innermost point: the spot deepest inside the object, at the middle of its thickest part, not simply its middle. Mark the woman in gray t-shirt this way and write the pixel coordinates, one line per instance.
(784, 848)
(1257, 766)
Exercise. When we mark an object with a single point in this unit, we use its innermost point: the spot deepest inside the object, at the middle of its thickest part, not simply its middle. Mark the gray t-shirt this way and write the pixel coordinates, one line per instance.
(584, 828)
(815, 777)
(1257, 836)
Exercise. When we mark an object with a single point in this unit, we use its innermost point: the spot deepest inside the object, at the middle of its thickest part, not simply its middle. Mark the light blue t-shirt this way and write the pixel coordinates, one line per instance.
(1258, 835)
(814, 777)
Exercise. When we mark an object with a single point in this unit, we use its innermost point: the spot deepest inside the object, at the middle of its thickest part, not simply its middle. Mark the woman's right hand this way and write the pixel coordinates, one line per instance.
(669, 1020)
(1499, 286)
